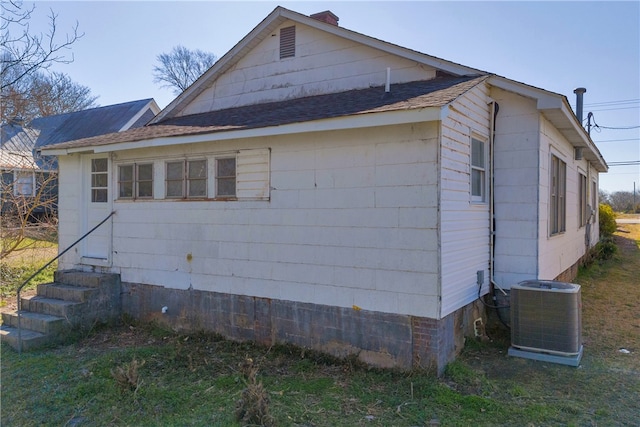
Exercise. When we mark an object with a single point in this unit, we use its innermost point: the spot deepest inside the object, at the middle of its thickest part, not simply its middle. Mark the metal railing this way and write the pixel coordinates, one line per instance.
(19, 302)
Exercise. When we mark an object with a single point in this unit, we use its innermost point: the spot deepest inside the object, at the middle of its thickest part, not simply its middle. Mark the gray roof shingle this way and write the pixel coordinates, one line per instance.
(436, 92)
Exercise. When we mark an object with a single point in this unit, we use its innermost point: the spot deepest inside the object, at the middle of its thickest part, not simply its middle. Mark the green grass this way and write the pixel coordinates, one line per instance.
(196, 379)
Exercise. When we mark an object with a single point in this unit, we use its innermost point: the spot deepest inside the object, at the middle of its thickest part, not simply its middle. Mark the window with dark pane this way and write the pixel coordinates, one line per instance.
(478, 170)
(226, 177)
(175, 179)
(99, 180)
(144, 180)
(197, 178)
(125, 181)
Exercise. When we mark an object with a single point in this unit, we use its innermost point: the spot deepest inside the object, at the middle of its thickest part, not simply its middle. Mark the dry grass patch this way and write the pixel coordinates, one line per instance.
(611, 302)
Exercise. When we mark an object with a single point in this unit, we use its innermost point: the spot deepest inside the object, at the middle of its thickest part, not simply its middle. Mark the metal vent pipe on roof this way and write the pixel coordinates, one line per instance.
(579, 95)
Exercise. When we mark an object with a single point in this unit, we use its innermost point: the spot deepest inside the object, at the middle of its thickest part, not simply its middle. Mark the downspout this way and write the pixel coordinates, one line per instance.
(492, 220)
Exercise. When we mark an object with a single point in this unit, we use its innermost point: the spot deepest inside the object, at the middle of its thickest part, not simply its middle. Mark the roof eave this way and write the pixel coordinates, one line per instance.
(556, 109)
(333, 124)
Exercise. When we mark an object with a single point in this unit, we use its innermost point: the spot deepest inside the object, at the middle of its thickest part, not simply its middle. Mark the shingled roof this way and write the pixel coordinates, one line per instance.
(436, 92)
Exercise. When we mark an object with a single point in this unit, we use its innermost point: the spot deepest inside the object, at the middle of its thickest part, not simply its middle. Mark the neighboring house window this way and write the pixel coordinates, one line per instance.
(186, 179)
(135, 181)
(582, 199)
(287, 42)
(99, 180)
(24, 183)
(557, 213)
(226, 177)
(478, 170)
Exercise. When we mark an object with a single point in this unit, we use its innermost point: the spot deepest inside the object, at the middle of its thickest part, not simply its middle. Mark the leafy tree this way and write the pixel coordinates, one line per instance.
(181, 67)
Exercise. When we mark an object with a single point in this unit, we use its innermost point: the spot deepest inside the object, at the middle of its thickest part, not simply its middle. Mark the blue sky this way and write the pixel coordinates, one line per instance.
(557, 46)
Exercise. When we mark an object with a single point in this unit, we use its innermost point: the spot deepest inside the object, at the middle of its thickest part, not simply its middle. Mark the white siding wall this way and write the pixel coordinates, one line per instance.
(561, 251)
(351, 220)
(324, 63)
(465, 224)
(517, 156)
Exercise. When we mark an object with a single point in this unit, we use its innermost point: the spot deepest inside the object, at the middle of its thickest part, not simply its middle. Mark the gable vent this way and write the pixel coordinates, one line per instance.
(288, 42)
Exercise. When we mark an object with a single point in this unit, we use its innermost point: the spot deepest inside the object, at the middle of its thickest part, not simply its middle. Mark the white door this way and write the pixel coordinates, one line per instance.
(96, 248)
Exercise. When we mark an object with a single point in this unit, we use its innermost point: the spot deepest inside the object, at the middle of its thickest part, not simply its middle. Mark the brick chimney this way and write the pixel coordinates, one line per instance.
(327, 17)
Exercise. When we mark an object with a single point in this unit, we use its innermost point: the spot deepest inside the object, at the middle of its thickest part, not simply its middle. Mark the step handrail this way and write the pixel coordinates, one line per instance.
(19, 302)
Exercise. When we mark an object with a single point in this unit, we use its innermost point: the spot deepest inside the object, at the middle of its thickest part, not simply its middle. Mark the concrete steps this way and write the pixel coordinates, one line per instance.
(76, 301)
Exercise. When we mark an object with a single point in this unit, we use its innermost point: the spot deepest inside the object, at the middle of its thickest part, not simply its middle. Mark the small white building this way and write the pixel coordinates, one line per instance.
(320, 187)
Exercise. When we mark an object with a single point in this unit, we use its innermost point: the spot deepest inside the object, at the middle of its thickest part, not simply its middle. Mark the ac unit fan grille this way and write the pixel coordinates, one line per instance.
(547, 321)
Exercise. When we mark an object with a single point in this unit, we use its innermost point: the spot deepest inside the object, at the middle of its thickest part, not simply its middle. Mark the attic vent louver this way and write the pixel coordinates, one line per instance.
(288, 42)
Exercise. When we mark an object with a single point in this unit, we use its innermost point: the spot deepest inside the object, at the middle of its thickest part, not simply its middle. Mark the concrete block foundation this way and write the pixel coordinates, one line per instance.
(379, 339)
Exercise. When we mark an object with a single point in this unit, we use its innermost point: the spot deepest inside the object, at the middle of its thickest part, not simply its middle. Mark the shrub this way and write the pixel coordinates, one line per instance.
(605, 249)
(607, 221)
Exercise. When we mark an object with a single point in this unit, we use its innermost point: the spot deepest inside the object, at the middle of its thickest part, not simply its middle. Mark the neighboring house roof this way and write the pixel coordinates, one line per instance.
(17, 160)
(60, 128)
(14, 137)
(90, 122)
(407, 96)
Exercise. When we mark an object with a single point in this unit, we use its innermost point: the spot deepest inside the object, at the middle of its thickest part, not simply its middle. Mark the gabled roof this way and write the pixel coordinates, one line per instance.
(416, 96)
(17, 160)
(91, 122)
(264, 30)
(16, 139)
(315, 112)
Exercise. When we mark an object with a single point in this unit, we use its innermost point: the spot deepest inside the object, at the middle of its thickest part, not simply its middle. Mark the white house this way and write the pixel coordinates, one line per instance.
(320, 187)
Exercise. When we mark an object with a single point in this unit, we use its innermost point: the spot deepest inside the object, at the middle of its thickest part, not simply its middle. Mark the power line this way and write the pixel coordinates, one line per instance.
(625, 163)
(625, 101)
(617, 140)
(616, 109)
(618, 127)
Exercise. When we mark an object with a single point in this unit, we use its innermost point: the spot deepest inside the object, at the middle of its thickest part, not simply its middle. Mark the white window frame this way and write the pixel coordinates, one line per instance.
(219, 177)
(557, 195)
(95, 188)
(583, 214)
(22, 179)
(135, 181)
(479, 167)
(186, 180)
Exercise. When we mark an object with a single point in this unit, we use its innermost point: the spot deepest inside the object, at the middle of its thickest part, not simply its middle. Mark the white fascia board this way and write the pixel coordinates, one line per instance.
(341, 123)
(544, 99)
(151, 105)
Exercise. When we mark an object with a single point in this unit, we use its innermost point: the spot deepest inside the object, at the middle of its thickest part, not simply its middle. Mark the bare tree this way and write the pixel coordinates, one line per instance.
(28, 205)
(24, 52)
(623, 201)
(43, 94)
(181, 67)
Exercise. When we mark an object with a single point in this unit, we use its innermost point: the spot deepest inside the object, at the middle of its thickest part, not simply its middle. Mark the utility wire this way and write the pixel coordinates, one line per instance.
(625, 163)
(616, 140)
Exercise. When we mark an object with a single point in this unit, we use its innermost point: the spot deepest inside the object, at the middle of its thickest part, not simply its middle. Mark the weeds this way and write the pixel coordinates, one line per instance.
(253, 406)
(128, 375)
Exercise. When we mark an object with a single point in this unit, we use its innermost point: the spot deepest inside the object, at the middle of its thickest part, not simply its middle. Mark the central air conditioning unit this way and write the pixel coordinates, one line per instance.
(546, 321)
